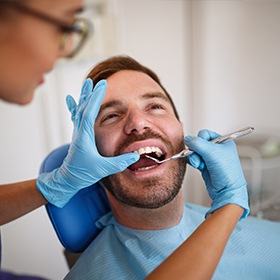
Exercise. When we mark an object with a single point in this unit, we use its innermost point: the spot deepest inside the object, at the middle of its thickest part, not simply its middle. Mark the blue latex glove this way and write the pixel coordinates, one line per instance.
(221, 170)
(83, 165)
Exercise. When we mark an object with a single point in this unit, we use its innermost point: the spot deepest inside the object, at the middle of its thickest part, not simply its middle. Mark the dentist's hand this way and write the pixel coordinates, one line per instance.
(83, 165)
(221, 170)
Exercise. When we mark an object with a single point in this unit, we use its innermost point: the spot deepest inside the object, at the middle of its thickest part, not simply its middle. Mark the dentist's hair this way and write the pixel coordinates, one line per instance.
(112, 65)
(5, 10)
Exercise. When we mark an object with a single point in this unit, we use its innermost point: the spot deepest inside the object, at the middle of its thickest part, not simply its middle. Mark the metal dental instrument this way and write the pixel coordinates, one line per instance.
(231, 136)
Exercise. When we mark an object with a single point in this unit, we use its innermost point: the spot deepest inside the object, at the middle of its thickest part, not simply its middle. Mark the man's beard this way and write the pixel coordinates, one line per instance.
(149, 193)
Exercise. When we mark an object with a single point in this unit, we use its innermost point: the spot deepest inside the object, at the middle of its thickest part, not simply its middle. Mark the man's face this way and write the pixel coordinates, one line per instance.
(136, 115)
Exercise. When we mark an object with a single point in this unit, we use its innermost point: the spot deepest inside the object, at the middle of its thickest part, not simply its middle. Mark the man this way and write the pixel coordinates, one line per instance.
(149, 219)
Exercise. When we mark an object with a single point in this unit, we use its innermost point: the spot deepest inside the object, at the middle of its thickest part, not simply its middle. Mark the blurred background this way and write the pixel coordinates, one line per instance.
(220, 62)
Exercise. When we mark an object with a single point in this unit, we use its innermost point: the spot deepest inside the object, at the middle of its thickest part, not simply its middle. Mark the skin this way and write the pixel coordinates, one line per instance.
(39, 49)
(127, 114)
(21, 73)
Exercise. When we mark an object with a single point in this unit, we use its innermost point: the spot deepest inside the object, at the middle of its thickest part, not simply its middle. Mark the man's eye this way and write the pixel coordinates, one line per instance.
(157, 106)
(109, 118)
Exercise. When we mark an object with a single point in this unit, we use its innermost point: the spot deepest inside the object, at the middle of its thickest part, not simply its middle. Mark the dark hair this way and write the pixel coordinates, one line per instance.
(5, 8)
(112, 65)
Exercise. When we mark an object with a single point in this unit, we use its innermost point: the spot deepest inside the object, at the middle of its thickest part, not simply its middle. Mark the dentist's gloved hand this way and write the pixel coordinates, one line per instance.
(83, 165)
(221, 170)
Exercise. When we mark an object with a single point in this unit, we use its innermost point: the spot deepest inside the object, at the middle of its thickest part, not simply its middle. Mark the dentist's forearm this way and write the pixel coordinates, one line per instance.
(18, 199)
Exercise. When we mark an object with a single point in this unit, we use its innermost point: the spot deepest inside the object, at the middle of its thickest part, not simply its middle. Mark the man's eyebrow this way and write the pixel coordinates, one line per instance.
(150, 95)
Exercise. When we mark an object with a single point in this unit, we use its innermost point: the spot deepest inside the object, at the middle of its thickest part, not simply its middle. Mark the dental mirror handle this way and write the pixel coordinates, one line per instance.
(231, 136)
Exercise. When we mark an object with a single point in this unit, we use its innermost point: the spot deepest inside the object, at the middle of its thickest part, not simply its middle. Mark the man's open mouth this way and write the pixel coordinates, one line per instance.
(144, 163)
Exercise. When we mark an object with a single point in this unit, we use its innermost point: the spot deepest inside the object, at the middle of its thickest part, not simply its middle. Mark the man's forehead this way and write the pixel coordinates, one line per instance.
(131, 82)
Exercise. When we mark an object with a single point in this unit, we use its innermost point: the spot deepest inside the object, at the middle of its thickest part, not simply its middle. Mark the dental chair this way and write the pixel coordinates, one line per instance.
(74, 224)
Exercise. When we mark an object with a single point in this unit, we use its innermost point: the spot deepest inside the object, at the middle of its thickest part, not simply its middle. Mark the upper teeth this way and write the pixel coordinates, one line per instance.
(148, 150)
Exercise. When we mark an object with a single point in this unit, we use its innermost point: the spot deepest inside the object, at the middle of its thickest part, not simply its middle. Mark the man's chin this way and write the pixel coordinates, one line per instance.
(147, 192)
(150, 194)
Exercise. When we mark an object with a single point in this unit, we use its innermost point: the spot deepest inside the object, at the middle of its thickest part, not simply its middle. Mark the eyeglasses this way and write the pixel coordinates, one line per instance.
(74, 34)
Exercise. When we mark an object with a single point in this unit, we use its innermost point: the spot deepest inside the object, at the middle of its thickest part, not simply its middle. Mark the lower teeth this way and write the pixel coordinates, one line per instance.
(146, 168)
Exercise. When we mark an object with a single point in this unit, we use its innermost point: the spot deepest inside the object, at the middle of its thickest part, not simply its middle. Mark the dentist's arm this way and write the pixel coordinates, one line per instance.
(199, 255)
(18, 199)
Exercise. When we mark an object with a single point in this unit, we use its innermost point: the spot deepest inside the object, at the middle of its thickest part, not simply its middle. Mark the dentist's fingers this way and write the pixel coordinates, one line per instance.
(208, 134)
(194, 159)
(94, 102)
(86, 90)
(200, 145)
(71, 105)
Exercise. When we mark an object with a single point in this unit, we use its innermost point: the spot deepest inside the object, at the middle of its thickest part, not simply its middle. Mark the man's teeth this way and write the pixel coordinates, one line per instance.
(146, 168)
(148, 150)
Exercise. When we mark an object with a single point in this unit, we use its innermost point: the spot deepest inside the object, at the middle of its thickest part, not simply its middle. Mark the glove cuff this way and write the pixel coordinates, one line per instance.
(237, 196)
(54, 188)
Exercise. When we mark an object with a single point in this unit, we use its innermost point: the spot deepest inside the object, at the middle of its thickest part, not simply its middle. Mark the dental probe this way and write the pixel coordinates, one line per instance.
(231, 136)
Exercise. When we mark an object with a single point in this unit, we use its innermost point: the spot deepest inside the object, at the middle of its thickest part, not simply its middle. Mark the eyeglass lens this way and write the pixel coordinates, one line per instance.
(73, 40)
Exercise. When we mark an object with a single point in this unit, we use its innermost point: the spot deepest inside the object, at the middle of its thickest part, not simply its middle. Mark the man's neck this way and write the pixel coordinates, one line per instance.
(149, 219)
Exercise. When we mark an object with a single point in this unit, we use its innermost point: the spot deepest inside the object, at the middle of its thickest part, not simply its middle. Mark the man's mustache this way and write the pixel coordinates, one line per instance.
(140, 137)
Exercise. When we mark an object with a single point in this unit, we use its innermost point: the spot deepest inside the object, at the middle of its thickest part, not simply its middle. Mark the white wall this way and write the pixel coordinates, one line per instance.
(218, 59)
(236, 71)
(237, 64)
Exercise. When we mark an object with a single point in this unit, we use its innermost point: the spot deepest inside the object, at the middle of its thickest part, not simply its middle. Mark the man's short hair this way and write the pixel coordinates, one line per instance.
(110, 66)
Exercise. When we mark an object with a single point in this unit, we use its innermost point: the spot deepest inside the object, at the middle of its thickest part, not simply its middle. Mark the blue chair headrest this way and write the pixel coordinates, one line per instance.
(75, 222)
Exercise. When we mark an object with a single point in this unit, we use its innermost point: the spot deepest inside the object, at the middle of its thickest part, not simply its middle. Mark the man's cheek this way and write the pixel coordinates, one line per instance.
(100, 144)
(105, 146)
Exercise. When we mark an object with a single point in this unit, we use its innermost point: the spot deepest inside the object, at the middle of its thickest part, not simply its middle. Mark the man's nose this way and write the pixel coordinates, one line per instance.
(137, 122)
